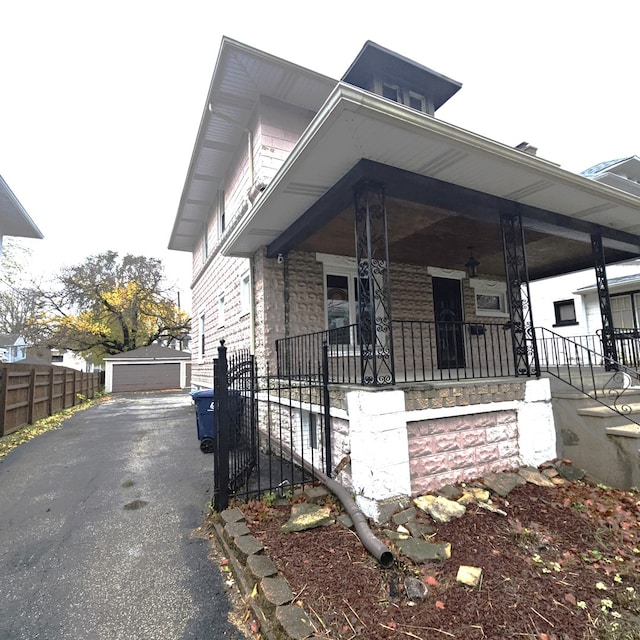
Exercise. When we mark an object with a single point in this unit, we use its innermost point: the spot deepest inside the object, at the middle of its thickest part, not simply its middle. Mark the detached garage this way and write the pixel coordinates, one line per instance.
(152, 368)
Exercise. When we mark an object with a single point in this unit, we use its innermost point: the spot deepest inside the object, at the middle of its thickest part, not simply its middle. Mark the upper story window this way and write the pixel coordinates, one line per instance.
(201, 343)
(245, 293)
(391, 92)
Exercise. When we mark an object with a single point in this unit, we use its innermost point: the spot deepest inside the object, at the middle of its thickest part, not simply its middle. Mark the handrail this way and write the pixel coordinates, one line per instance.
(577, 365)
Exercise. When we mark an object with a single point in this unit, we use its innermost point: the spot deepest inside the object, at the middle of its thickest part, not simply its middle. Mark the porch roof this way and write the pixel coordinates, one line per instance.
(14, 220)
(490, 177)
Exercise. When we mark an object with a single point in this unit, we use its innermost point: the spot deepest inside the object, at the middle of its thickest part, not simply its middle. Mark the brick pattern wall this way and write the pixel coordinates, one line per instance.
(449, 450)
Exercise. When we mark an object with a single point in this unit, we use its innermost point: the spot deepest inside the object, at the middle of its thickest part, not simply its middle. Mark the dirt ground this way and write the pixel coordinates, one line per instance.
(562, 564)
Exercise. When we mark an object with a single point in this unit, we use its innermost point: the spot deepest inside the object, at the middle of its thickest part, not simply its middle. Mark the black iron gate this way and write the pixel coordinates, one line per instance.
(273, 433)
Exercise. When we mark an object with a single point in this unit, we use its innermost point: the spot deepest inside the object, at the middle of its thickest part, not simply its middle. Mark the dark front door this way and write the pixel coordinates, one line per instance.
(447, 303)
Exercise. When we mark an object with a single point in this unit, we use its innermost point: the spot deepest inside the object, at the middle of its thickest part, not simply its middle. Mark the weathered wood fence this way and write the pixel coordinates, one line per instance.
(31, 392)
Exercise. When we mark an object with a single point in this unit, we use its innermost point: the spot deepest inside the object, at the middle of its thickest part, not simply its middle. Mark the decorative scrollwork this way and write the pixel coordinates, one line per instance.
(615, 387)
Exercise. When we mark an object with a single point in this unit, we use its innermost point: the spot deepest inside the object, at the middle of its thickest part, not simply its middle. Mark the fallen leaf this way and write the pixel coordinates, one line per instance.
(439, 604)
(431, 581)
(570, 598)
(255, 626)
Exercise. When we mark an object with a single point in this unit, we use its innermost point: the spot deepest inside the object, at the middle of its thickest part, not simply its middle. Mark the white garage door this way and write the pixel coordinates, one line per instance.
(146, 377)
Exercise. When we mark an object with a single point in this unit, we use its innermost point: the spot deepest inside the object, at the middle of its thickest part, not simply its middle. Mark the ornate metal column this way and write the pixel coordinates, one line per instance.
(525, 348)
(608, 338)
(374, 299)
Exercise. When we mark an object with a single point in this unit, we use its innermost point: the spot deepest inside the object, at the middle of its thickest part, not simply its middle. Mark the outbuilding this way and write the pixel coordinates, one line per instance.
(152, 368)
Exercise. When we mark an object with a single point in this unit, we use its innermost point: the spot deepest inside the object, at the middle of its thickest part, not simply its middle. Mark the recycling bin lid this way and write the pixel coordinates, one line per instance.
(203, 393)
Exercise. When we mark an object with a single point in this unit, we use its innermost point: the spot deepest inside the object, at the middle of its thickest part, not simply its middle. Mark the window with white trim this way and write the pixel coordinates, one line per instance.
(221, 310)
(201, 342)
(490, 298)
(245, 293)
(309, 429)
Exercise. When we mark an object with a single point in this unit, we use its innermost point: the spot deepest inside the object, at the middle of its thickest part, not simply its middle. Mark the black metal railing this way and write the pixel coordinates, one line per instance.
(587, 369)
(273, 433)
(423, 351)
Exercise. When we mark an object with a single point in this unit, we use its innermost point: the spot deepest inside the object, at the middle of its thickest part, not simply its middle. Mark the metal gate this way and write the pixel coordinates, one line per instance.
(273, 433)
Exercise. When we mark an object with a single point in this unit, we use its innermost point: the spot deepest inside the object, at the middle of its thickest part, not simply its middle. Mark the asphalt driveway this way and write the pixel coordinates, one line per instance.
(97, 525)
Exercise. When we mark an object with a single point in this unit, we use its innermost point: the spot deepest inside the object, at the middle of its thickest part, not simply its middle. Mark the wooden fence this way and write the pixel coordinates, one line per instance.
(31, 392)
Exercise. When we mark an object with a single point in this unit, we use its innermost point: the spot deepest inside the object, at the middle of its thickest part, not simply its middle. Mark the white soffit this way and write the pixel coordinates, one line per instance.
(354, 124)
(14, 220)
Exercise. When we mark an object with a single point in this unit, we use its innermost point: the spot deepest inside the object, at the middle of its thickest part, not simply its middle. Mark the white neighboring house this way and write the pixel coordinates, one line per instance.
(72, 360)
(13, 347)
(568, 304)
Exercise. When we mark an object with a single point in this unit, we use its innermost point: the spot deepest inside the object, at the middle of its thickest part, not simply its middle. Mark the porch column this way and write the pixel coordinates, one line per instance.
(608, 338)
(374, 299)
(525, 348)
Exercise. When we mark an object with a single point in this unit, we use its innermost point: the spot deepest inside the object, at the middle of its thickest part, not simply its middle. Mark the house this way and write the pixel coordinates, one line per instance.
(343, 219)
(14, 220)
(12, 347)
(569, 305)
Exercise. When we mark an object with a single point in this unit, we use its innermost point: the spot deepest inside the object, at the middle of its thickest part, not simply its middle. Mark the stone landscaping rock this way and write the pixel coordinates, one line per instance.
(532, 475)
(569, 472)
(232, 515)
(345, 521)
(276, 591)
(416, 589)
(420, 529)
(439, 508)
(503, 483)
(419, 551)
(248, 545)
(397, 535)
(474, 494)
(315, 494)
(404, 516)
(307, 516)
(471, 576)
(236, 529)
(261, 566)
(491, 509)
(449, 491)
(294, 621)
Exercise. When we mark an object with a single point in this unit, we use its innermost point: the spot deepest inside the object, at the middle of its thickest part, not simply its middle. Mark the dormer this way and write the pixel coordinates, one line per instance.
(397, 78)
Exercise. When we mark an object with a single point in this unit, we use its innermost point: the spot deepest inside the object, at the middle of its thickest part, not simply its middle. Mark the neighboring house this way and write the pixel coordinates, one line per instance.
(346, 213)
(13, 347)
(14, 220)
(569, 304)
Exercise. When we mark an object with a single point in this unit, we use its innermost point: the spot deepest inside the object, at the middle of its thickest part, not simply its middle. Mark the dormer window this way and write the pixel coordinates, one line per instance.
(416, 101)
(391, 92)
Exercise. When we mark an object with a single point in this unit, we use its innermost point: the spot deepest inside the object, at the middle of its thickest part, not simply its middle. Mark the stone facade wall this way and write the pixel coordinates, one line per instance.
(463, 394)
(454, 449)
(222, 276)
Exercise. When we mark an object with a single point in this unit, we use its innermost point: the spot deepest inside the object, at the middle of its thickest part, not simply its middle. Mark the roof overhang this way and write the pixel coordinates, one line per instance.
(14, 220)
(354, 125)
(241, 78)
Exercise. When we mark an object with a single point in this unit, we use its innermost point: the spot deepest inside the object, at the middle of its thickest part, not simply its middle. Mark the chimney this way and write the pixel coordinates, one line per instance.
(527, 148)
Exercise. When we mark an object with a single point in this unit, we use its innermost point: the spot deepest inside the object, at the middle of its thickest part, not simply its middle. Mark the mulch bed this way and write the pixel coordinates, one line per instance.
(562, 565)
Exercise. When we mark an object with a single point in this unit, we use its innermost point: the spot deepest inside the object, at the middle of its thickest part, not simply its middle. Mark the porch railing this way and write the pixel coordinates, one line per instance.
(423, 351)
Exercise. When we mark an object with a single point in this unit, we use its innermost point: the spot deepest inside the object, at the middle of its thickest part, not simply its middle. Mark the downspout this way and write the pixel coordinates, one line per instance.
(373, 545)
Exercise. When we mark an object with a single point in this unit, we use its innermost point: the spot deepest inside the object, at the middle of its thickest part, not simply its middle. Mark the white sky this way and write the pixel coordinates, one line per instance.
(100, 102)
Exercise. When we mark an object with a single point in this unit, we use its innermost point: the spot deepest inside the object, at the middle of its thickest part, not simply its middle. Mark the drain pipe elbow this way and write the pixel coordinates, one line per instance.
(374, 546)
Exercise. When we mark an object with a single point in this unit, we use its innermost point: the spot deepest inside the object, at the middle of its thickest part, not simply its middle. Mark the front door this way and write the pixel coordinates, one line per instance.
(447, 303)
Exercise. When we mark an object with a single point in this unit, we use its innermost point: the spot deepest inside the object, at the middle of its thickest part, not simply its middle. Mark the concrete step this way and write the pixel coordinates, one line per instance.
(624, 430)
(610, 418)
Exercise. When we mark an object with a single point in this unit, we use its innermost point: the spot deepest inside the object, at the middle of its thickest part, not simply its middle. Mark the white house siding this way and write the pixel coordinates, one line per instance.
(280, 128)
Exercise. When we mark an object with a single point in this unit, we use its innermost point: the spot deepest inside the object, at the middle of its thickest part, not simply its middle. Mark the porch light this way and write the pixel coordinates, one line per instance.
(471, 265)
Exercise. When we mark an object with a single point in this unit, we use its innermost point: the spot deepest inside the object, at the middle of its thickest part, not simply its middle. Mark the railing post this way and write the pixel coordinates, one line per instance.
(221, 408)
(326, 401)
(608, 333)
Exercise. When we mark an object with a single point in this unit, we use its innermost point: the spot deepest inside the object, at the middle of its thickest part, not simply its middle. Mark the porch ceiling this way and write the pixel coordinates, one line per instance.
(445, 187)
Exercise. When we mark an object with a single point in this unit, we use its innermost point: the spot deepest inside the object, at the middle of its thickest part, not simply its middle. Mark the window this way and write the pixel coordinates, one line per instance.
(309, 429)
(57, 358)
(205, 244)
(622, 312)
(565, 312)
(221, 213)
(202, 337)
(221, 310)
(245, 293)
(490, 296)
(416, 101)
(391, 91)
